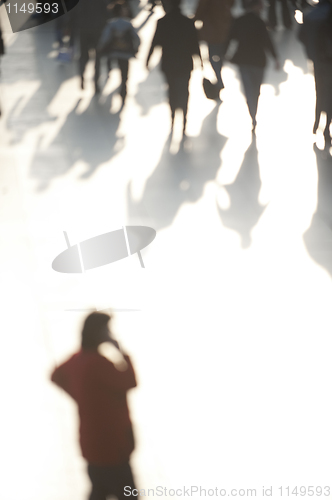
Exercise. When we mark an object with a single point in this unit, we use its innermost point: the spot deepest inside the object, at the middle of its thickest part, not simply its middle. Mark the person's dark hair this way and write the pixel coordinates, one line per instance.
(92, 334)
(118, 10)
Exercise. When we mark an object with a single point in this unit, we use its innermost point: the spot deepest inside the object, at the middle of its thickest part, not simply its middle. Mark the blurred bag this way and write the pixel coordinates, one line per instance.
(211, 90)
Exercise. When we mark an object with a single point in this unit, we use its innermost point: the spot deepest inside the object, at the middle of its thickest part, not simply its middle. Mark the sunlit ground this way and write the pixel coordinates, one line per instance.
(231, 342)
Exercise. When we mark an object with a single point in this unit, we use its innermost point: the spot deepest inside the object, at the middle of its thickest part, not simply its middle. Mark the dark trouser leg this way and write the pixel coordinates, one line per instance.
(124, 66)
(59, 30)
(272, 13)
(178, 92)
(111, 480)
(99, 486)
(327, 133)
(97, 69)
(252, 77)
(216, 55)
(319, 91)
(124, 479)
(184, 82)
(84, 52)
(171, 95)
(286, 17)
(323, 81)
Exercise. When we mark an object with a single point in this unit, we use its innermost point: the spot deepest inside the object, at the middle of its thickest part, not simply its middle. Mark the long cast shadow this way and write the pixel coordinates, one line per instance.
(245, 210)
(90, 137)
(318, 238)
(179, 178)
(25, 59)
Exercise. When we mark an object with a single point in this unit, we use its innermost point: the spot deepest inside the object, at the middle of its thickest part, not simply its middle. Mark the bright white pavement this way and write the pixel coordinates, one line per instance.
(232, 344)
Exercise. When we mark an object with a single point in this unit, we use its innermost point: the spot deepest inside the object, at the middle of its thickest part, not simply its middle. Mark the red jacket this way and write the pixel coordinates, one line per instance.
(99, 389)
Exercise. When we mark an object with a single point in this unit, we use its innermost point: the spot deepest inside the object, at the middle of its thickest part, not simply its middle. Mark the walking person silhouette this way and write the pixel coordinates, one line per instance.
(91, 19)
(99, 389)
(177, 36)
(120, 42)
(253, 42)
(216, 16)
(316, 35)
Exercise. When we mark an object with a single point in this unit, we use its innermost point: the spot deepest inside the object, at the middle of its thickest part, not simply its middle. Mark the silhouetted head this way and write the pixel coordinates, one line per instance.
(95, 330)
(253, 5)
(174, 4)
(118, 10)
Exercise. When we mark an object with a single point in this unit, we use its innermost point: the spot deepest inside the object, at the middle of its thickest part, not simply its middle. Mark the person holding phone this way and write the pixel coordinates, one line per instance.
(100, 389)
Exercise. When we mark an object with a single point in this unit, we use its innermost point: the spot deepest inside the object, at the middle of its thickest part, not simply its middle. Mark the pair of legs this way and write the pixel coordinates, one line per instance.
(252, 78)
(323, 83)
(123, 65)
(110, 480)
(89, 40)
(178, 94)
(216, 56)
(286, 15)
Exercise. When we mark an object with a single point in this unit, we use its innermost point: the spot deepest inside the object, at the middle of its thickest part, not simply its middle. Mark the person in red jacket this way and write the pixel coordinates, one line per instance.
(99, 389)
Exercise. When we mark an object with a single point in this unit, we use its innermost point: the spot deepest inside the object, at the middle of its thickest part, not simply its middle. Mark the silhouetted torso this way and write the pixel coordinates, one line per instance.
(92, 15)
(177, 36)
(99, 389)
(316, 32)
(254, 41)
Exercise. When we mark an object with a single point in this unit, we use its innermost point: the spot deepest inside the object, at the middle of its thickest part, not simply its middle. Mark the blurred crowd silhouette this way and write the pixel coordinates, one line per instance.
(104, 27)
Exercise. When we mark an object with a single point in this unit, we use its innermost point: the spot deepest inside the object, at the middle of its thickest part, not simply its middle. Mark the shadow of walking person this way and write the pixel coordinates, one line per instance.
(179, 178)
(318, 238)
(244, 210)
(90, 137)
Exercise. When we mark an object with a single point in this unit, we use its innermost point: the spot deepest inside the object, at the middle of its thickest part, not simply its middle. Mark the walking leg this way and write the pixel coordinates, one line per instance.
(171, 95)
(184, 93)
(319, 87)
(252, 78)
(124, 67)
(97, 71)
(286, 16)
(99, 486)
(84, 56)
(216, 54)
(272, 15)
(124, 478)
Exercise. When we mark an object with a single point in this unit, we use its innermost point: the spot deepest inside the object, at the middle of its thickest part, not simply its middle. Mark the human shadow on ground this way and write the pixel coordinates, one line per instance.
(179, 178)
(244, 209)
(27, 63)
(318, 237)
(90, 137)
